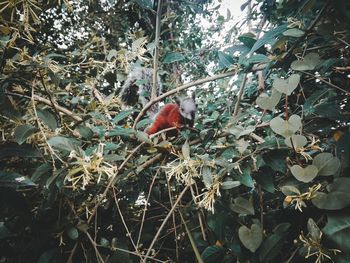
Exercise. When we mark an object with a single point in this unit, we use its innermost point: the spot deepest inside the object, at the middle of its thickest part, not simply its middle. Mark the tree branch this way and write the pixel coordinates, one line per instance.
(183, 87)
(156, 51)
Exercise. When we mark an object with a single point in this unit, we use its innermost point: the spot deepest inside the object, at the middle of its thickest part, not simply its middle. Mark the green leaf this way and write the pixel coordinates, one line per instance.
(281, 228)
(229, 184)
(252, 237)
(239, 131)
(112, 54)
(286, 128)
(245, 178)
(104, 242)
(270, 248)
(173, 57)
(22, 132)
(185, 149)
(64, 144)
(265, 178)
(338, 196)
(207, 176)
(242, 206)
(143, 137)
(309, 62)
(85, 132)
(296, 141)
(225, 60)
(242, 145)
(293, 32)
(212, 254)
(306, 174)
(43, 169)
(313, 229)
(121, 116)
(267, 102)
(269, 37)
(5, 232)
(48, 118)
(15, 180)
(13, 149)
(117, 131)
(248, 39)
(51, 256)
(257, 58)
(326, 163)
(287, 86)
(290, 190)
(73, 233)
(337, 230)
(276, 160)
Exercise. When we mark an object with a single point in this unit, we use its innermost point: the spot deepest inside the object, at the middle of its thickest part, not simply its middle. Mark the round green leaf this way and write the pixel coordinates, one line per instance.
(296, 140)
(306, 174)
(286, 128)
(310, 62)
(252, 237)
(267, 102)
(338, 196)
(287, 86)
(326, 163)
(242, 206)
(290, 190)
(73, 233)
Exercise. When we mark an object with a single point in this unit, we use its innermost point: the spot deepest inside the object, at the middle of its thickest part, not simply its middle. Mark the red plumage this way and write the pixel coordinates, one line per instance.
(168, 116)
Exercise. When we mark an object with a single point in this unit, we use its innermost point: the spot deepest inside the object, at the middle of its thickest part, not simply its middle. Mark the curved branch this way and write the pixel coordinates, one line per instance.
(49, 103)
(183, 87)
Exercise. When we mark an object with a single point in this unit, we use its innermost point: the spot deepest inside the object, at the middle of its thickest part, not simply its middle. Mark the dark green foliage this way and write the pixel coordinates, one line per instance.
(262, 177)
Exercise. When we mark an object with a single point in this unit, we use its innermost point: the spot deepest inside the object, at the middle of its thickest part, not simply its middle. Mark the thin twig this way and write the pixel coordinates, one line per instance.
(162, 131)
(156, 51)
(112, 180)
(164, 222)
(326, 82)
(52, 152)
(145, 209)
(53, 103)
(240, 94)
(261, 203)
(49, 103)
(70, 259)
(149, 162)
(311, 26)
(125, 225)
(98, 255)
(174, 218)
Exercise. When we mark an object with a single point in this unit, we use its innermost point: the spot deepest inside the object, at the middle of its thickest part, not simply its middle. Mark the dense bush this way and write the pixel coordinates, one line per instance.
(262, 177)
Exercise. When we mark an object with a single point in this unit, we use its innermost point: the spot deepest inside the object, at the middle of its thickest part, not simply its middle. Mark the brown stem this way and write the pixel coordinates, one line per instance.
(156, 51)
(240, 94)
